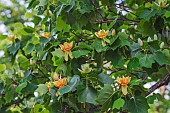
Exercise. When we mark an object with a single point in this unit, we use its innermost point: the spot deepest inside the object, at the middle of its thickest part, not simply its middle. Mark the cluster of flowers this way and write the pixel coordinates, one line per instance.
(66, 48)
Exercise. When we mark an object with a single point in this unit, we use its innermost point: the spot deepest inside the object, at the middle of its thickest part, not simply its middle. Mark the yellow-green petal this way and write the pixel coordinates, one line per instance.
(124, 89)
(106, 40)
(70, 54)
(66, 56)
(103, 43)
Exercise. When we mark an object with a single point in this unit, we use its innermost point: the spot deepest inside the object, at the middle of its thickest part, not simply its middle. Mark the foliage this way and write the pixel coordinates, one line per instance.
(78, 54)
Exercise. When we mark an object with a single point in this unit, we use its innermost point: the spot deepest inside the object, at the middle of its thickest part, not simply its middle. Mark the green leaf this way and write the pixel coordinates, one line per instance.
(23, 62)
(122, 35)
(42, 89)
(71, 101)
(147, 28)
(146, 60)
(138, 105)
(112, 24)
(36, 20)
(150, 99)
(86, 94)
(161, 59)
(21, 86)
(60, 25)
(133, 64)
(79, 53)
(32, 4)
(9, 94)
(105, 79)
(147, 14)
(18, 25)
(58, 52)
(85, 46)
(14, 48)
(135, 82)
(118, 103)
(29, 29)
(57, 61)
(97, 44)
(2, 67)
(105, 96)
(114, 57)
(167, 14)
(28, 15)
(38, 108)
(29, 48)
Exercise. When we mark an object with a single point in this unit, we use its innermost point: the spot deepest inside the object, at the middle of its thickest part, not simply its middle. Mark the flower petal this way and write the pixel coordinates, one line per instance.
(124, 89)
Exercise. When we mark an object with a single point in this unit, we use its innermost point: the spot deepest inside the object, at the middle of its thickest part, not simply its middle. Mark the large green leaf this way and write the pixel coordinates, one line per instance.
(97, 44)
(14, 48)
(79, 53)
(29, 48)
(60, 24)
(105, 96)
(161, 58)
(147, 14)
(167, 14)
(118, 103)
(86, 94)
(133, 64)
(42, 89)
(21, 86)
(105, 79)
(138, 105)
(146, 60)
(58, 52)
(85, 46)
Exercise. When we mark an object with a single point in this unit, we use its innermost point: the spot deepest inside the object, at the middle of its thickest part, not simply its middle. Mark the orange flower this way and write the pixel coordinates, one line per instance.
(66, 46)
(124, 81)
(46, 35)
(60, 82)
(10, 37)
(101, 34)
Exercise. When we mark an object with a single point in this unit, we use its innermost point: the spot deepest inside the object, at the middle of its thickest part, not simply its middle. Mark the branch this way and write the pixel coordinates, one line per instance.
(92, 1)
(111, 20)
(16, 102)
(163, 81)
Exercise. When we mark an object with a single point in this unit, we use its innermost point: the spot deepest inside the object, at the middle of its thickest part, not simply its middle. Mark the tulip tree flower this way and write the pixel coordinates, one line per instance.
(85, 68)
(102, 35)
(66, 48)
(46, 35)
(124, 81)
(60, 82)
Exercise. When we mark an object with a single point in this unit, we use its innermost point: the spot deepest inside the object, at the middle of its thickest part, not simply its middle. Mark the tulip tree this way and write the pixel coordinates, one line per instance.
(87, 56)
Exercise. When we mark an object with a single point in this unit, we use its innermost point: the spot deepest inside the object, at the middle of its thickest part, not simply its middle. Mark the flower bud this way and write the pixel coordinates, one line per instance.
(113, 32)
(162, 45)
(155, 37)
(149, 39)
(56, 77)
(140, 42)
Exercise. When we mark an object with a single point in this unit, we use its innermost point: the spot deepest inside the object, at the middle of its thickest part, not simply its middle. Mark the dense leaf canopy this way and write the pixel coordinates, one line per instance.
(85, 56)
